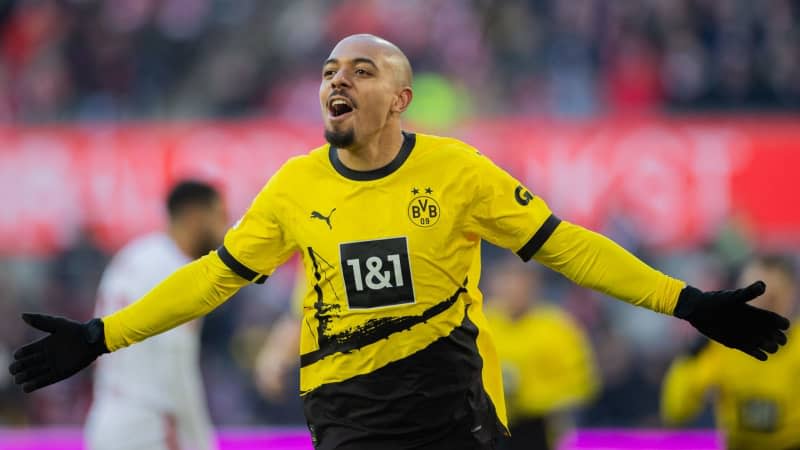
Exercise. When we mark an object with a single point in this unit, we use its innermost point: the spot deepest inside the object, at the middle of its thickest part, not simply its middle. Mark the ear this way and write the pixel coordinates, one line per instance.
(402, 100)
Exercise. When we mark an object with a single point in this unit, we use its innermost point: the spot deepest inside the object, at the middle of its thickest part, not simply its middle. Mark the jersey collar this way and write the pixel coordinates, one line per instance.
(409, 139)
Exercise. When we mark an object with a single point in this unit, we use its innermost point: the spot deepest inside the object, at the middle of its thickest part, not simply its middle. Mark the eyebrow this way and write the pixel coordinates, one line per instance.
(355, 61)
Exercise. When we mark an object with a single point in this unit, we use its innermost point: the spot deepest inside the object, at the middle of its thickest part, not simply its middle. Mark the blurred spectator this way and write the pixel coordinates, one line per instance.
(547, 362)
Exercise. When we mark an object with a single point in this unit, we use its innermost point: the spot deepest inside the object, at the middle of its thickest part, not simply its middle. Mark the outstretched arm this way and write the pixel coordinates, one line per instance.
(190, 292)
(506, 214)
(594, 261)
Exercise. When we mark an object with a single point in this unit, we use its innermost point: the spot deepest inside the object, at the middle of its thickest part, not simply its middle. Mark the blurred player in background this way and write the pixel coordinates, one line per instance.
(394, 349)
(755, 403)
(547, 361)
(278, 357)
(151, 396)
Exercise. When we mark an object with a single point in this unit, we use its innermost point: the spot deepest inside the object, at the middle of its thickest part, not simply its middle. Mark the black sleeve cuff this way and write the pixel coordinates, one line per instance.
(539, 238)
(687, 302)
(239, 268)
(96, 336)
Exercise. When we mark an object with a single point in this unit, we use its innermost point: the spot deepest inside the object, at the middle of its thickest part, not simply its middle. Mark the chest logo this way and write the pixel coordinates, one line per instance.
(423, 210)
(326, 219)
(377, 273)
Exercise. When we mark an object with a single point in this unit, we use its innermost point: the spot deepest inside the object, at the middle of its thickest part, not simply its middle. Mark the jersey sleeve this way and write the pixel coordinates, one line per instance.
(505, 213)
(259, 242)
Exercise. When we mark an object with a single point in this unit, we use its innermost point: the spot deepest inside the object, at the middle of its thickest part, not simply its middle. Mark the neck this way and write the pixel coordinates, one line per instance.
(182, 238)
(375, 152)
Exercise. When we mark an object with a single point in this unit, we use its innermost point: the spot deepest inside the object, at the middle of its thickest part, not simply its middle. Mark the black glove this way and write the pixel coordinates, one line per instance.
(68, 348)
(726, 317)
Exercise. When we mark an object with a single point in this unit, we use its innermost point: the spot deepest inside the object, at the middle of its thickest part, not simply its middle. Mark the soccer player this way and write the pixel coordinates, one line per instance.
(278, 354)
(150, 396)
(547, 361)
(755, 403)
(395, 352)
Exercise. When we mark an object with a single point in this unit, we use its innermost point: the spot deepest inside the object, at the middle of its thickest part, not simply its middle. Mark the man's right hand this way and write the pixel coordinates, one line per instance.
(70, 347)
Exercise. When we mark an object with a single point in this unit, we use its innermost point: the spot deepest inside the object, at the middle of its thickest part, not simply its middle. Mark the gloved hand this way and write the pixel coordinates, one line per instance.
(68, 348)
(726, 317)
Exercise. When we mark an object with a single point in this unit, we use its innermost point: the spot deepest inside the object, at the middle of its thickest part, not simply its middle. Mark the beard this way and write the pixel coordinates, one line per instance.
(204, 244)
(340, 139)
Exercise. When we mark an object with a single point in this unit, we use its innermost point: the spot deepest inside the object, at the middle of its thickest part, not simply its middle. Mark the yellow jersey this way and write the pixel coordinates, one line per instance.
(547, 361)
(393, 260)
(754, 401)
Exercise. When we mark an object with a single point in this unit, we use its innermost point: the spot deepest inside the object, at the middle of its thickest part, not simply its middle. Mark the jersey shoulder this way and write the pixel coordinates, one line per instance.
(315, 159)
(450, 152)
(301, 168)
(445, 147)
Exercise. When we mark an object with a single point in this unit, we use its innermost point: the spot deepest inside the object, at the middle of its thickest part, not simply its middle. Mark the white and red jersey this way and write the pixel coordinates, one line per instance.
(149, 395)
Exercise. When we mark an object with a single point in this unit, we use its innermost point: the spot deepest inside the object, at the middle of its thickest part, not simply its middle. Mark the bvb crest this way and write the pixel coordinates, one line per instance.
(423, 210)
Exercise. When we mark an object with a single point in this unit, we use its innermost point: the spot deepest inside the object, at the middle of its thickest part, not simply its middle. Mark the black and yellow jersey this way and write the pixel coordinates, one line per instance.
(392, 256)
(394, 343)
(755, 402)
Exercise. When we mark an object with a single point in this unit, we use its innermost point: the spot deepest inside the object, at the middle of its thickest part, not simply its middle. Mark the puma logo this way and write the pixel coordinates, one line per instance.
(327, 219)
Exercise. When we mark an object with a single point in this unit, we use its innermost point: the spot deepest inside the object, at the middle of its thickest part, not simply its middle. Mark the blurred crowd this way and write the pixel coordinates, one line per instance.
(140, 59)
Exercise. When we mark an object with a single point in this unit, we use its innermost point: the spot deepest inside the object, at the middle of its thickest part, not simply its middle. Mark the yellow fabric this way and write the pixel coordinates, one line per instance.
(592, 260)
(547, 361)
(472, 199)
(750, 397)
(492, 380)
(190, 292)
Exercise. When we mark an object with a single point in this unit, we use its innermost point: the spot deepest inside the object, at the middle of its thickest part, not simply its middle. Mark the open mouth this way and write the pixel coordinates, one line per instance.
(339, 106)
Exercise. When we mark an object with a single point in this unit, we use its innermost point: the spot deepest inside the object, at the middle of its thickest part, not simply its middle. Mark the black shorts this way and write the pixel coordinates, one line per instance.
(460, 438)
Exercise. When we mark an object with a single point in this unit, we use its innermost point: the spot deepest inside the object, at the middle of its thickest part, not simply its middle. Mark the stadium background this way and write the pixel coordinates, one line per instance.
(670, 125)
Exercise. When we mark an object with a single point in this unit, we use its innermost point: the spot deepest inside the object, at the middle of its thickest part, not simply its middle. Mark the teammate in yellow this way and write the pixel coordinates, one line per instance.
(755, 403)
(547, 362)
(394, 348)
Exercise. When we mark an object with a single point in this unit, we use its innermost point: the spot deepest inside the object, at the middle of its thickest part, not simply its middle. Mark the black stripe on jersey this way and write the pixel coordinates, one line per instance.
(239, 268)
(539, 238)
(373, 331)
(409, 139)
(432, 399)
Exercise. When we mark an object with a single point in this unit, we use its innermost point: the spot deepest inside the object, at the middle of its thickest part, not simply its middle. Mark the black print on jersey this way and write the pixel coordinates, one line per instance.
(324, 312)
(326, 219)
(327, 311)
(374, 330)
(376, 273)
(522, 195)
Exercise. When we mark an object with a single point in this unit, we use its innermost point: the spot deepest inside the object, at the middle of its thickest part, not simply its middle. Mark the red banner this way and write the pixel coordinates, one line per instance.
(675, 181)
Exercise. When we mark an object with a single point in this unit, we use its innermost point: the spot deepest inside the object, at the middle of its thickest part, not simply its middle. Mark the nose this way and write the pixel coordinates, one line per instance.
(340, 79)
